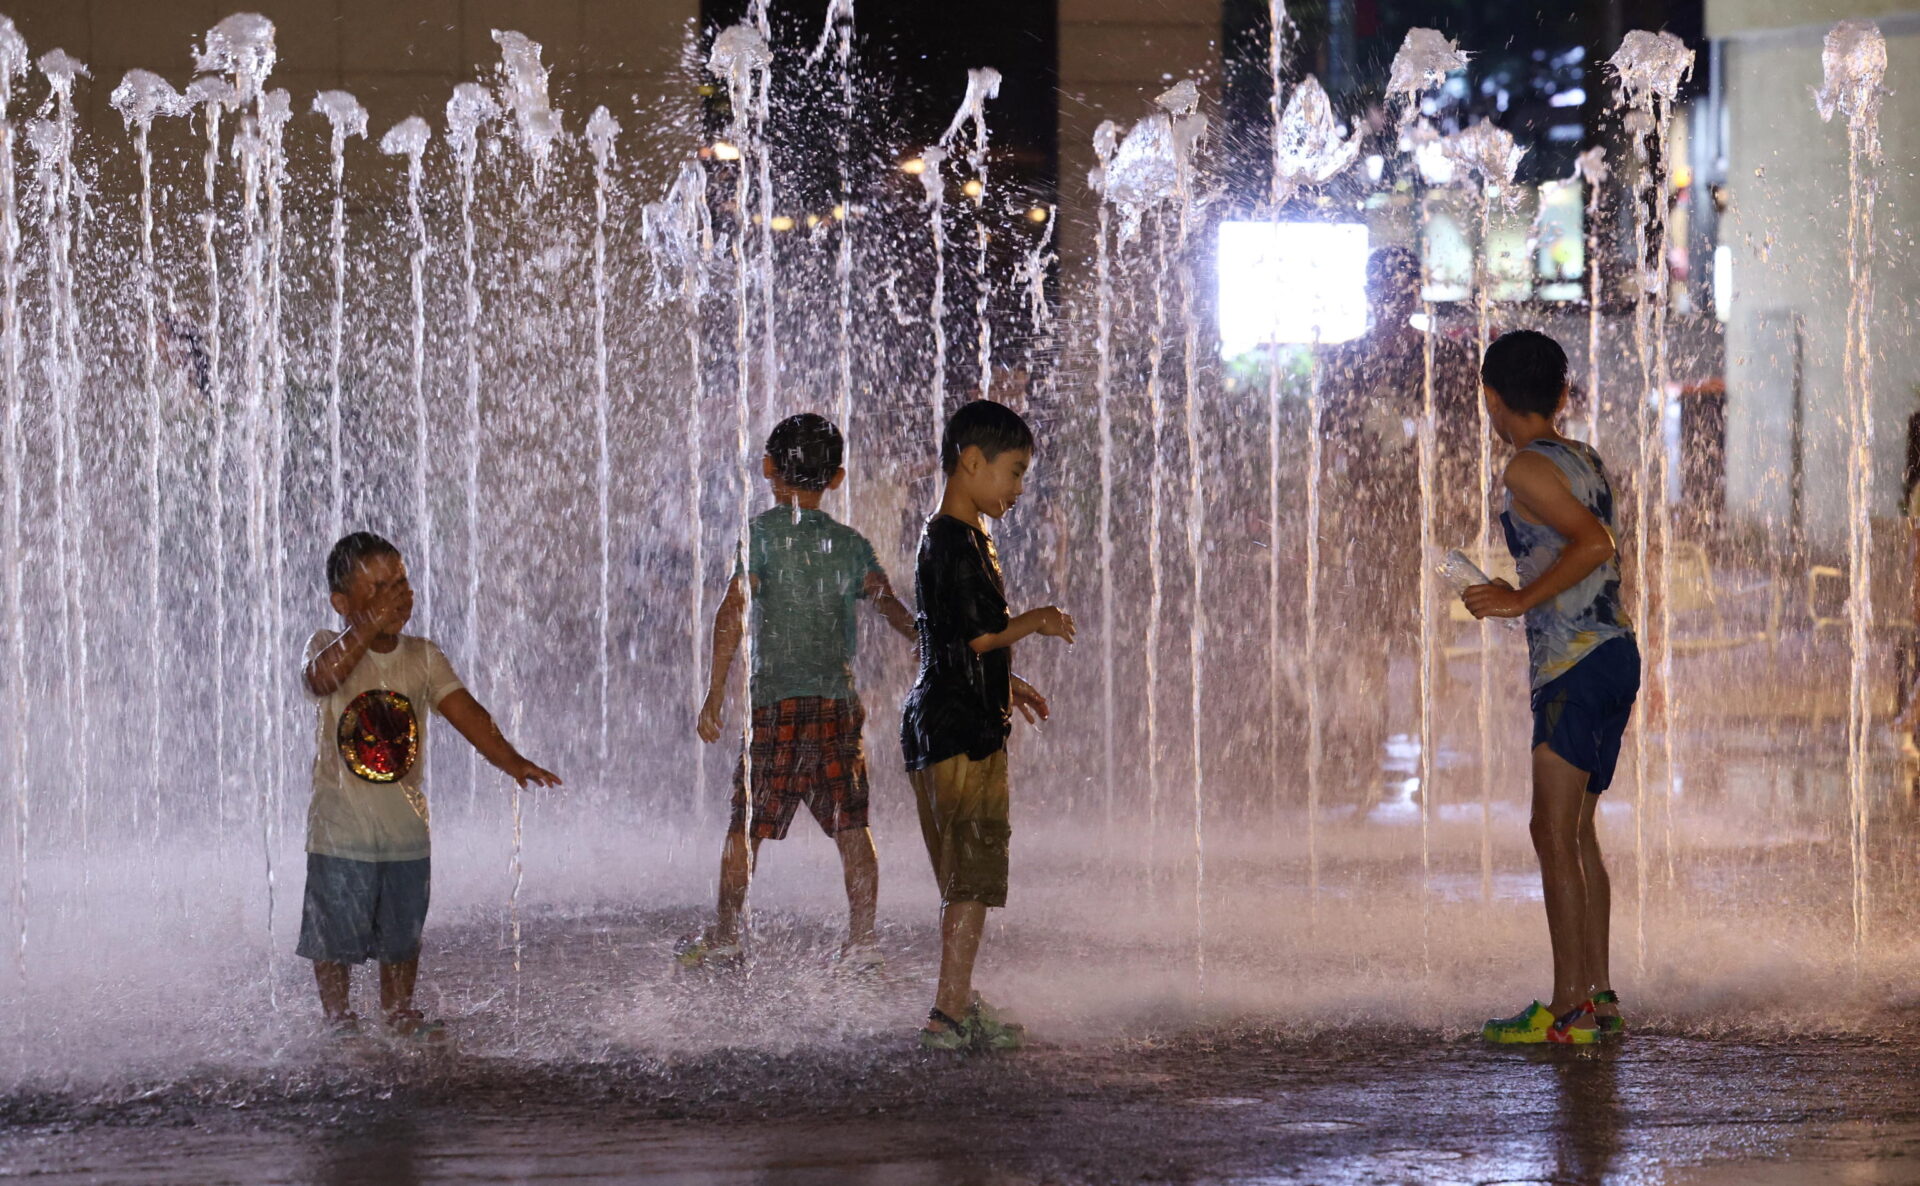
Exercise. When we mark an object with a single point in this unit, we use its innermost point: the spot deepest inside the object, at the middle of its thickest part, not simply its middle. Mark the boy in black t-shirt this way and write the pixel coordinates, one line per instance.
(957, 718)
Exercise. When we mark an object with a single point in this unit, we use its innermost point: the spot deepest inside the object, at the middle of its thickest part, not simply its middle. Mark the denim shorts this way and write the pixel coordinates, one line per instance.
(355, 911)
(1583, 714)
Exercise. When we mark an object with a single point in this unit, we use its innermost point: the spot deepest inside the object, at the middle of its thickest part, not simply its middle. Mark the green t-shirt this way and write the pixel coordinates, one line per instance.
(809, 574)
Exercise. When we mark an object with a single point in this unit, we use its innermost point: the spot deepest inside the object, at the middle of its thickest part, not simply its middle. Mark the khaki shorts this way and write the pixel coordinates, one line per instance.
(963, 816)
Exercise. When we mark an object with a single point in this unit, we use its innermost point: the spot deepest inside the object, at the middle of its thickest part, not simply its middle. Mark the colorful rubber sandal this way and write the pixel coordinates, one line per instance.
(956, 1037)
(1610, 1027)
(1563, 1031)
(993, 1029)
(1526, 1027)
(415, 1026)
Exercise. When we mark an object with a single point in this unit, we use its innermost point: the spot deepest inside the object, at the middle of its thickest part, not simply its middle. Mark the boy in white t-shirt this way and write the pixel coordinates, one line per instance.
(367, 842)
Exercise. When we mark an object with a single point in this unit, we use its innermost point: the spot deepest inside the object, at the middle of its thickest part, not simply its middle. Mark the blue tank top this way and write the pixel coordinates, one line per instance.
(1563, 631)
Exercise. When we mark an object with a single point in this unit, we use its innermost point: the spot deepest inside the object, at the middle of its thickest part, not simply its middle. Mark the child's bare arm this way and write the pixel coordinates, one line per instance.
(1049, 620)
(879, 590)
(1542, 494)
(729, 624)
(475, 723)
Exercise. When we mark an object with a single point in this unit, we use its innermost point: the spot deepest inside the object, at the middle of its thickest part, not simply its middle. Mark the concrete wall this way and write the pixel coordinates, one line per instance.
(1115, 56)
(1786, 226)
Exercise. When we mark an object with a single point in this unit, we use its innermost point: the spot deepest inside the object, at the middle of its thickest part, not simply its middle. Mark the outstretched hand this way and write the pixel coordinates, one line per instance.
(1497, 600)
(526, 772)
(1029, 701)
(1055, 623)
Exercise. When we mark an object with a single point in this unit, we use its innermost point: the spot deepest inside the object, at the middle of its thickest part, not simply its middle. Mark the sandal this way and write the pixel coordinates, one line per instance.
(1610, 1027)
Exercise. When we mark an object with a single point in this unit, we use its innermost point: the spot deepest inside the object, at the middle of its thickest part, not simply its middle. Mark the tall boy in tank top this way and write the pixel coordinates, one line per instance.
(1584, 666)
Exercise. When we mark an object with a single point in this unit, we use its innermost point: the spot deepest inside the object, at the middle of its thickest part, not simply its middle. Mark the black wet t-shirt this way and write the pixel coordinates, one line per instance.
(963, 702)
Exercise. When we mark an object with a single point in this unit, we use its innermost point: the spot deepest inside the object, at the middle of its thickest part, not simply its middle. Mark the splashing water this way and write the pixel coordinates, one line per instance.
(1423, 62)
(982, 85)
(1590, 169)
(347, 118)
(1311, 147)
(523, 94)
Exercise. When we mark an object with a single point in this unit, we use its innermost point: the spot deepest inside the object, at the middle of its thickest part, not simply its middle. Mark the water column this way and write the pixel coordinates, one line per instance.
(1279, 30)
(347, 118)
(1189, 132)
(242, 47)
(1106, 138)
(276, 112)
(468, 112)
(602, 128)
(13, 67)
(679, 234)
(1650, 68)
(934, 187)
(140, 97)
(1309, 148)
(760, 139)
(1142, 175)
(53, 142)
(741, 57)
(1423, 62)
(982, 85)
(409, 138)
(215, 95)
(523, 94)
(1854, 61)
(1485, 158)
(838, 32)
(1591, 171)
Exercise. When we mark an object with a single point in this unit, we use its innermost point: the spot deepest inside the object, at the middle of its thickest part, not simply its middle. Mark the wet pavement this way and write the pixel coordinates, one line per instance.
(623, 1070)
(1238, 1105)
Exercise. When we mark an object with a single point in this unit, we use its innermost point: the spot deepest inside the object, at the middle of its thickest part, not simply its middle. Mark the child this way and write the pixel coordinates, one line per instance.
(957, 718)
(1585, 669)
(808, 575)
(367, 843)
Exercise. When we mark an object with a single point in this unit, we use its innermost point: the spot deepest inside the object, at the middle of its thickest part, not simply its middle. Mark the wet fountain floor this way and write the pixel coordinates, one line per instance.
(1218, 1105)
(626, 1073)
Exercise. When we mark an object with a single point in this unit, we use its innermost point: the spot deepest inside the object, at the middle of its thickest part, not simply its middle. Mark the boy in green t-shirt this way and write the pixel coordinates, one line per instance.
(808, 573)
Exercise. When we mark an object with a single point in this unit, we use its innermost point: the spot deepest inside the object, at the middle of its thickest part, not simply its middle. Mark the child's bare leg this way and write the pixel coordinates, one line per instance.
(1599, 905)
(1558, 794)
(862, 867)
(396, 985)
(334, 981)
(960, 926)
(736, 871)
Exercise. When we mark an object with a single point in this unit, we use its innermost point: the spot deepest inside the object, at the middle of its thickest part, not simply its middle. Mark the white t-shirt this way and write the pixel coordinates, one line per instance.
(371, 749)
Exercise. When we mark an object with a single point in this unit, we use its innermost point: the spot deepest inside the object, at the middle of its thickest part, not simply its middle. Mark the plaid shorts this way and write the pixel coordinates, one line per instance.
(804, 750)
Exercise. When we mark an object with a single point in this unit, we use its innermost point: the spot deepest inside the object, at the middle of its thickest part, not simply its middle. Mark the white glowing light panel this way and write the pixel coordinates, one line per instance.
(1291, 282)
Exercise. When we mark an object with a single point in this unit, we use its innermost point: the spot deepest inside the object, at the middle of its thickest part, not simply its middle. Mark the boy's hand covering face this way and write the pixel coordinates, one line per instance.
(379, 599)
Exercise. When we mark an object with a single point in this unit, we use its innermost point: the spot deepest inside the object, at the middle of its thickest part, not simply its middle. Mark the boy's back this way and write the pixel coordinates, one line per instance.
(810, 572)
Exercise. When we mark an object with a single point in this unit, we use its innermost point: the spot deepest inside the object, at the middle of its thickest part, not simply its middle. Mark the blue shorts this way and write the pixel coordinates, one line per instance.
(1583, 714)
(360, 910)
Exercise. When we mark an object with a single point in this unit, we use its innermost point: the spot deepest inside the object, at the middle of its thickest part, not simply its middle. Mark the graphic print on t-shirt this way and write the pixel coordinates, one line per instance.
(379, 736)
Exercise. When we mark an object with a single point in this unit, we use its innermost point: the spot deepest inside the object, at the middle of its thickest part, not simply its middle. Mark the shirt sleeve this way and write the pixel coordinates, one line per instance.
(441, 680)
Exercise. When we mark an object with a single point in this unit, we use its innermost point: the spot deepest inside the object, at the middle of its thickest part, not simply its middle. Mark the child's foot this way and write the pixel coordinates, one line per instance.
(344, 1027)
(705, 951)
(945, 1035)
(994, 1030)
(415, 1026)
(1526, 1027)
(1576, 1027)
(1606, 1011)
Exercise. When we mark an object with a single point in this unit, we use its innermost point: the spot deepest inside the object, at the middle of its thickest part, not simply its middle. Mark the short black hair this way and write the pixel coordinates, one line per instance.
(806, 451)
(991, 427)
(1528, 370)
(348, 554)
